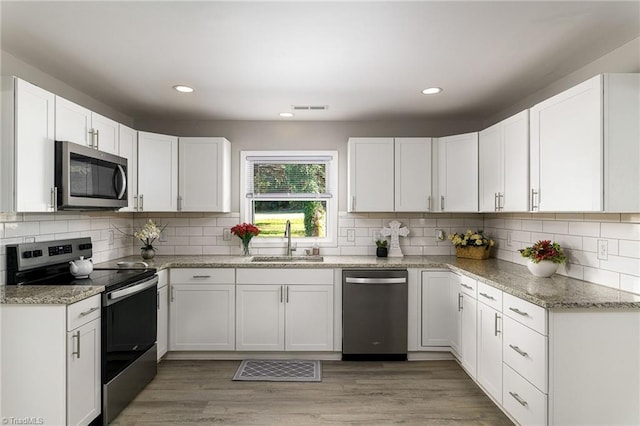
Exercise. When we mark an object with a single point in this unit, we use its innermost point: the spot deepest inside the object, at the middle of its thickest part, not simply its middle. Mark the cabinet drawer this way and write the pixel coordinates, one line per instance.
(468, 286)
(203, 276)
(522, 400)
(83, 311)
(525, 351)
(526, 313)
(281, 276)
(490, 296)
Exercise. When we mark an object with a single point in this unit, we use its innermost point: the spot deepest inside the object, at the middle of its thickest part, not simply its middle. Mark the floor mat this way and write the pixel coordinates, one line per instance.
(279, 370)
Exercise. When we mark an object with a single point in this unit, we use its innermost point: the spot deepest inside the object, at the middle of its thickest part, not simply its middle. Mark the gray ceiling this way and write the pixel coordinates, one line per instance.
(366, 60)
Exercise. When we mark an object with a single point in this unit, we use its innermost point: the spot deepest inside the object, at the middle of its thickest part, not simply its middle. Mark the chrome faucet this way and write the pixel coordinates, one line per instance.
(287, 233)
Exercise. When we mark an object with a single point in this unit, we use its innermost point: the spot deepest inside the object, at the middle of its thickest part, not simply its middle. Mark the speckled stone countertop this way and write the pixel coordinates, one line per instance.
(556, 292)
(47, 294)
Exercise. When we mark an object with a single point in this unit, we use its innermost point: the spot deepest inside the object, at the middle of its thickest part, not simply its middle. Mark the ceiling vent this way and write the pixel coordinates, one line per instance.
(309, 107)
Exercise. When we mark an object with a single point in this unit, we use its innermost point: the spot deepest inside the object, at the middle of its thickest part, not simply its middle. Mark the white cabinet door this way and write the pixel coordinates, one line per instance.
(455, 312)
(468, 334)
(458, 173)
(204, 174)
(308, 317)
(84, 384)
(489, 373)
(436, 294)
(34, 150)
(73, 123)
(128, 148)
(202, 317)
(491, 170)
(504, 165)
(157, 172)
(163, 320)
(260, 317)
(413, 175)
(106, 133)
(515, 195)
(370, 183)
(566, 150)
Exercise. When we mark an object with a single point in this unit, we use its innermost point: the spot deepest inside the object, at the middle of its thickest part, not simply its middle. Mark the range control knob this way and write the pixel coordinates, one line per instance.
(27, 254)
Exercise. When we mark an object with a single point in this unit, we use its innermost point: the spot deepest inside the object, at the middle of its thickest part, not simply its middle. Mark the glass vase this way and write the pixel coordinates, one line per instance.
(245, 247)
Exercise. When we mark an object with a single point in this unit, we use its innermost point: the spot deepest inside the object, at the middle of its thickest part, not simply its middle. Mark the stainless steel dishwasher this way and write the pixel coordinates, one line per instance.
(374, 314)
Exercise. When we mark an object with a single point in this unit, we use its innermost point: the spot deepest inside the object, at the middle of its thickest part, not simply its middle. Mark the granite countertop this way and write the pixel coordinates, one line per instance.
(47, 294)
(556, 292)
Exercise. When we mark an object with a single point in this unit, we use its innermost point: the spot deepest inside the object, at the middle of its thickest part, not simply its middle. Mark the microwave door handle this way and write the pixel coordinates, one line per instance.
(123, 176)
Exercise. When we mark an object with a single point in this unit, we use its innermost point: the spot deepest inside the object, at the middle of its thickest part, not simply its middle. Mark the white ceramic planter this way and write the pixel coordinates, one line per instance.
(544, 268)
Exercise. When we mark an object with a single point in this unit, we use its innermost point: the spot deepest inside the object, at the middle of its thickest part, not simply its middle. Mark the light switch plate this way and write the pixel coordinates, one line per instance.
(603, 249)
(226, 234)
(440, 234)
(351, 235)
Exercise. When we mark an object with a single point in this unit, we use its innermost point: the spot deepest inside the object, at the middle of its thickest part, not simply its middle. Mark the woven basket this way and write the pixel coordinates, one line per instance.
(473, 252)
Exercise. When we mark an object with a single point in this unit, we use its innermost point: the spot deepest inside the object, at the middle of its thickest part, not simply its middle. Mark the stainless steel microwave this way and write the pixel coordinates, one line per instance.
(88, 179)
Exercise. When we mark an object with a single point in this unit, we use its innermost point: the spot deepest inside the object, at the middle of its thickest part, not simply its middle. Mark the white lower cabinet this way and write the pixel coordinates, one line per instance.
(163, 313)
(51, 361)
(435, 291)
(468, 338)
(202, 309)
(489, 373)
(288, 310)
(523, 401)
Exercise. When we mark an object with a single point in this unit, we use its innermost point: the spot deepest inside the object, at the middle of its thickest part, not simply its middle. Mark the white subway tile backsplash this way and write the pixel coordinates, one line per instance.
(630, 283)
(532, 225)
(513, 224)
(80, 225)
(371, 223)
(54, 226)
(623, 231)
(21, 229)
(629, 248)
(601, 276)
(555, 227)
(203, 221)
(213, 231)
(569, 241)
(188, 250)
(625, 265)
(587, 229)
(1, 230)
(182, 231)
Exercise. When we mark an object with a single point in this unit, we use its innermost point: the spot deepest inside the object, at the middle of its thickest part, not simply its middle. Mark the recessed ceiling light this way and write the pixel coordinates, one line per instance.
(431, 91)
(286, 114)
(183, 89)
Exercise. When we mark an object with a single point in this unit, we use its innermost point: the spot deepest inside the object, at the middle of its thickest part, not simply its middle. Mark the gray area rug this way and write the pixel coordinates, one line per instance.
(279, 371)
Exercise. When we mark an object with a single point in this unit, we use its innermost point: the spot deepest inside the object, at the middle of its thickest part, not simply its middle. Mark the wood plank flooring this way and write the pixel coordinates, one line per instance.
(352, 393)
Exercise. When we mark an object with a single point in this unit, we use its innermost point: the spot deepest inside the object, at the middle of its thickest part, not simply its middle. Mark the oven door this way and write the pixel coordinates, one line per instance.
(88, 178)
(129, 325)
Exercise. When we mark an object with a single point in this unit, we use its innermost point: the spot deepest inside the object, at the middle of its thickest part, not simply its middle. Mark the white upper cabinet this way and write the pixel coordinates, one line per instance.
(389, 174)
(157, 172)
(204, 175)
(77, 124)
(413, 175)
(458, 173)
(370, 184)
(28, 157)
(585, 147)
(504, 165)
(128, 148)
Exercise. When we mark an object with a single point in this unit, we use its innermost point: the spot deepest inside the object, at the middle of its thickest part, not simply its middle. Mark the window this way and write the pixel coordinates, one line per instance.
(298, 186)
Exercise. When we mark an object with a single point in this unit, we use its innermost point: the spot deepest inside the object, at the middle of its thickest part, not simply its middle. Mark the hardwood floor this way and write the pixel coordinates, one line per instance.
(358, 393)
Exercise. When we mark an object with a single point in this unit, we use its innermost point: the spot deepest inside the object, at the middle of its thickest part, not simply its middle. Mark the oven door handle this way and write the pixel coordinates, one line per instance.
(119, 294)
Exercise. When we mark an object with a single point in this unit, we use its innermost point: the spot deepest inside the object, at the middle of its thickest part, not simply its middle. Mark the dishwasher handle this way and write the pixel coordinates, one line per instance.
(352, 280)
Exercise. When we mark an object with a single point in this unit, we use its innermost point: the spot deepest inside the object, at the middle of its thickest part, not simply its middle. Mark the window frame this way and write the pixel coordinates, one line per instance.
(246, 211)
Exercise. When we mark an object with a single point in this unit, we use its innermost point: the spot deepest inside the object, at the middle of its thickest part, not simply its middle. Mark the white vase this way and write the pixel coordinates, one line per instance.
(544, 268)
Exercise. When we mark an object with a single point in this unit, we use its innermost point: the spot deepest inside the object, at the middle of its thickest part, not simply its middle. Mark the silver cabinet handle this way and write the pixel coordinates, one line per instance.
(517, 349)
(135, 203)
(76, 335)
(287, 298)
(202, 276)
(518, 398)
(353, 202)
(173, 292)
(533, 199)
(85, 313)
(141, 196)
(460, 300)
(97, 139)
(468, 287)
(429, 203)
(519, 312)
(54, 199)
(179, 202)
(487, 296)
(495, 324)
(281, 295)
(157, 301)
(91, 138)
(352, 280)
(442, 202)
(500, 201)
(495, 201)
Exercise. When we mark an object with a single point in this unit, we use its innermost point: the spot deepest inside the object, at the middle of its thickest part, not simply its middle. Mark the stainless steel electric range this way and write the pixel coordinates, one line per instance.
(129, 313)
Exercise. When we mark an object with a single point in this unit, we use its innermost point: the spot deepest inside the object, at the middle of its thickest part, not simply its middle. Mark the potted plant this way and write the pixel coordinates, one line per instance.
(147, 235)
(245, 231)
(382, 249)
(543, 258)
(472, 245)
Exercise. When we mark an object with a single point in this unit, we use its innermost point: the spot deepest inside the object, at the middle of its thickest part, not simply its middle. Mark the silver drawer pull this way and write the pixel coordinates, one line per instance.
(518, 398)
(519, 312)
(202, 276)
(520, 351)
(487, 296)
(468, 287)
(85, 313)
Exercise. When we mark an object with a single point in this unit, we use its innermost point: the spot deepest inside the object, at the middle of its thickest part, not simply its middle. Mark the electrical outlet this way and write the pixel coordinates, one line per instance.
(163, 238)
(351, 235)
(603, 249)
(509, 238)
(110, 237)
(440, 234)
(226, 234)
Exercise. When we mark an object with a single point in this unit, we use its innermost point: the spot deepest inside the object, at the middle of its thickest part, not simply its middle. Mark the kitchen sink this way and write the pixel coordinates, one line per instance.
(277, 259)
